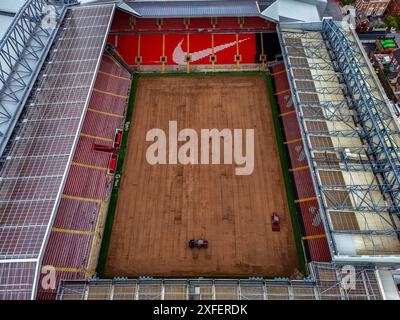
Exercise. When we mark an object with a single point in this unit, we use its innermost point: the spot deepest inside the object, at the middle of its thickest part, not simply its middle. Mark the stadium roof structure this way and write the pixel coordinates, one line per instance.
(278, 11)
(50, 101)
(351, 137)
(190, 9)
(295, 10)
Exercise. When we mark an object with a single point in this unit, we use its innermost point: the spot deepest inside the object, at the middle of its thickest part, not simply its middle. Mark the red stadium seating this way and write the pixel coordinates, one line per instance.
(100, 125)
(138, 37)
(85, 154)
(87, 182)
(76, 215)
(314, 232)
(173, 24)
(68, 250)
(124, 22)
(258, 23)
(87, 185)
(150, 47)
(311, 218)
(304, 184)
(146, 25)
(319, 249)
(227, 24)
(297, 154)
(291, 127)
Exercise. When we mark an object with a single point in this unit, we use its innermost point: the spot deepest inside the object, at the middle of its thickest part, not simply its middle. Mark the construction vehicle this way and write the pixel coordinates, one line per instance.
(276, 222)
(112, 164)
(198, 244)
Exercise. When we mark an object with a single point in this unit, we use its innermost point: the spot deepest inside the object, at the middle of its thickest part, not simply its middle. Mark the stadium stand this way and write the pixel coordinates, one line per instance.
(77, 228)
(351, 140)
(33, 189)
(326, 284)
(314, 233)
(144, 41)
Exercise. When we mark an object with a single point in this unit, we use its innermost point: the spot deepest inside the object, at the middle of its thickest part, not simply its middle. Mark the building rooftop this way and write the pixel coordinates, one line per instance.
(396, 55)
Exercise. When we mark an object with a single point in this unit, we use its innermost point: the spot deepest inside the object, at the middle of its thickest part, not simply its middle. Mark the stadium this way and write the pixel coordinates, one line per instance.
(84, 216)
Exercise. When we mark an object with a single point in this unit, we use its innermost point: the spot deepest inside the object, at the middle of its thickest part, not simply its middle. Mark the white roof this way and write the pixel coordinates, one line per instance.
(293, 10)
(9, 6)
(5, 21)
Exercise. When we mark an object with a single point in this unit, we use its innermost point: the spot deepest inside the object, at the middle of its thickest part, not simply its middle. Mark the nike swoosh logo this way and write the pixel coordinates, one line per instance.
(178, 56)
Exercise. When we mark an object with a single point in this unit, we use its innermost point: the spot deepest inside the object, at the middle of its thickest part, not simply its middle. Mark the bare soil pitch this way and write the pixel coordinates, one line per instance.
(161, 207)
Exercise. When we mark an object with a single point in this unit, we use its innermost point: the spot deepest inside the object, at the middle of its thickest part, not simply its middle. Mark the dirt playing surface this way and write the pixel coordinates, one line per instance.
(161, 207)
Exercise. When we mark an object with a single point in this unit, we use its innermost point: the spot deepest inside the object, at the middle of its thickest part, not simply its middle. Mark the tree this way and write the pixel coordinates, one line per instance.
(346, 2)
(392, 22)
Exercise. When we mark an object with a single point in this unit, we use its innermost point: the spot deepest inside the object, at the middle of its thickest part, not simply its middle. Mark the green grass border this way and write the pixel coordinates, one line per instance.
(202, 74)
(124, 143)
(285, 170)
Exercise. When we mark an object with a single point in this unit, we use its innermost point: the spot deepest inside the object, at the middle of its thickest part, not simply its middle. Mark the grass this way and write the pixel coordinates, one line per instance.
(205, 74)
(124, 143)
(285, 170)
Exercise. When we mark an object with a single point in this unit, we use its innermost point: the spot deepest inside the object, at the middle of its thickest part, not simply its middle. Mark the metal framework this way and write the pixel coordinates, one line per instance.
(372, 112)
(326, 282)
(351, 141)
(22, 53)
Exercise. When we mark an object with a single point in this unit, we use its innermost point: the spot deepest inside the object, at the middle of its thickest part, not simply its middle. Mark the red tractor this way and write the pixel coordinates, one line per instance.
(198, 244)
(276, 222)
